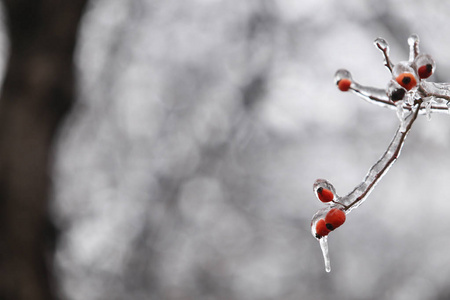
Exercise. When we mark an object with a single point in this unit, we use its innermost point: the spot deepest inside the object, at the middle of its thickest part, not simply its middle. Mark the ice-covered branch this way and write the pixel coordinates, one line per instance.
(437, 94)
(413, 42)
(409, 94)
(440, 91)
(381, 44)
(379, 169)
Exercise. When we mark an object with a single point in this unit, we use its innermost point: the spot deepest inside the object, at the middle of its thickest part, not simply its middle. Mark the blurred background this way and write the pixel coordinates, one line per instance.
(185, 170)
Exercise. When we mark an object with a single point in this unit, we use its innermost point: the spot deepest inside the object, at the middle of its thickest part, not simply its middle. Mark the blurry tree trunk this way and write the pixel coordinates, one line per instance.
(36, 95)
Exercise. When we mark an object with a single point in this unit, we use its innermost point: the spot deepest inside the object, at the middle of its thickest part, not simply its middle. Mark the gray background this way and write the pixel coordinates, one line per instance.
(186, 169)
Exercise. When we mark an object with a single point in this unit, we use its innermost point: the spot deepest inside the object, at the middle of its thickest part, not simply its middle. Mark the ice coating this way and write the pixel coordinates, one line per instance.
(320, 214)
(405, 75)
(403, 67)
(325, 184)
(438, 90)
(401, 116)
(373, 95)
(383, 97)
(395, 91)
(425, 65)
(413, 42)
(360, 193)
(381, 44)
(326, 256)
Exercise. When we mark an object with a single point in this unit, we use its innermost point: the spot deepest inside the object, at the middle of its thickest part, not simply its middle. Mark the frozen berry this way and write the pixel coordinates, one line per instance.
(334, 218)
(406, 80)
(425, 71)
(325, 195)
(321, 229)
(344, 84)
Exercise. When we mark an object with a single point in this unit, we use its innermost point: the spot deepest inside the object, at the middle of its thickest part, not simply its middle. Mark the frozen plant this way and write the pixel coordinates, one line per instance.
(409, 94)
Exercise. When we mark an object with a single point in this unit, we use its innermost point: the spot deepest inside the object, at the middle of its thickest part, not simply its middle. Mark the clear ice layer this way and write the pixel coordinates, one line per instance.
(360, 193)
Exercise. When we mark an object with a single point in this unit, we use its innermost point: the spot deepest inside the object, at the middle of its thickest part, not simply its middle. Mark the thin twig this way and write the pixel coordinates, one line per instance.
(388, 62)
(376, 172)
(390, 104)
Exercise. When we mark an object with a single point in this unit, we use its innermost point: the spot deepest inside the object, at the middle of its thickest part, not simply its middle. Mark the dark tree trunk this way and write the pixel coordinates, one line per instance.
(37, 93)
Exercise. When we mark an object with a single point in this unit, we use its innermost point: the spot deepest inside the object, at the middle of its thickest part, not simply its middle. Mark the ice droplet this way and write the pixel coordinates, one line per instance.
(413, 38)
(326, 257)
(381, 44)
(342, 74)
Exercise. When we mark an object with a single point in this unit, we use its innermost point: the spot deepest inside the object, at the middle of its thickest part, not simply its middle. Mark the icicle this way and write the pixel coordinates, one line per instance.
(438, 90)
(428, 109)
(413, 42)
(326, 257)
(401, 115)
(409, 98)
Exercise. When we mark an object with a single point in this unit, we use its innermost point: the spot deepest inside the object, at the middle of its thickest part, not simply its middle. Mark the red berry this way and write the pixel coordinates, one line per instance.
(321, 229)
(325, 195)
(344, 84)
(334, 218)
(425, 71)
(406, 80)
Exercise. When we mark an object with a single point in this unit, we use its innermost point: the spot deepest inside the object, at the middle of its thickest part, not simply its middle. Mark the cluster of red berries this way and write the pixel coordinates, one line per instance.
(334, 217)
(406, 79)
(405, 75)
